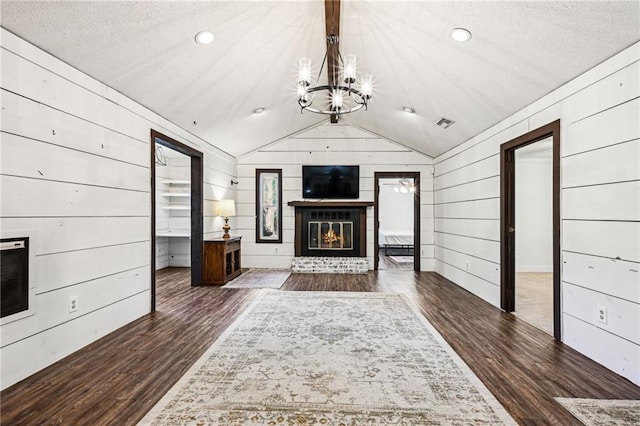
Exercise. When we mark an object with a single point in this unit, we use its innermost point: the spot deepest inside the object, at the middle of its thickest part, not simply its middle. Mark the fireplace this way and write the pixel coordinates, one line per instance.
(329, 235)
(14, 273)
(330, 229)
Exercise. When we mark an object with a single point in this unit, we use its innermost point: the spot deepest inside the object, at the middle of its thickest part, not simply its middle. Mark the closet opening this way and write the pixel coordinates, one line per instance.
(176, 208)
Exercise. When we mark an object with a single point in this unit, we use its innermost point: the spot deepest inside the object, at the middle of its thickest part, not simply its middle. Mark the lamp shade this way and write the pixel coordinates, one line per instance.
(226, 208)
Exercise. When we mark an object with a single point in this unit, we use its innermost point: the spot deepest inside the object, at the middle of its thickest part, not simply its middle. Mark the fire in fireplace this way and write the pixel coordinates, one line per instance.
(330, 235)
(330, 231)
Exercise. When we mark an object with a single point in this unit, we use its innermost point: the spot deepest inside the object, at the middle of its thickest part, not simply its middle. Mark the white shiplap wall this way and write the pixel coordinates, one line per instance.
(75, 174)
(600, 208)
(327, 144)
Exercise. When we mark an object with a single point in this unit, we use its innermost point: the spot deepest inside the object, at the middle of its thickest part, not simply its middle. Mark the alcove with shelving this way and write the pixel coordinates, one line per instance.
(173, 209)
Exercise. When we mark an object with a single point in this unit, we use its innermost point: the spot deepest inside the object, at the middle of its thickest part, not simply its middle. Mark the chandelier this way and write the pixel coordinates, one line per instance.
(405, 186)
(340, 96)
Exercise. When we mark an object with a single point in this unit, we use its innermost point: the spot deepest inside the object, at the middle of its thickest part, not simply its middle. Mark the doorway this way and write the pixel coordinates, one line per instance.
(397, 221)
(158, 140)
(534, 242)
(517, 228)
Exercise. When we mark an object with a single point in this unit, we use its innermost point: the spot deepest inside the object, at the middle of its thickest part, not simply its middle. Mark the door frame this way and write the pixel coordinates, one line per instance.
(196, 208)
(416, 214)
(507, 218)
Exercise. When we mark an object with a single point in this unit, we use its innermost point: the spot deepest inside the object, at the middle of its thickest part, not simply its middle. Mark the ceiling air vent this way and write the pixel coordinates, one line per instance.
(445, 123)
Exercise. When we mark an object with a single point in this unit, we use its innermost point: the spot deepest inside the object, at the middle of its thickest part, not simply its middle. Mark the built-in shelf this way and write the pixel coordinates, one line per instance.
(177, 207)
(177, 182)
(181, 233)
(176, 194)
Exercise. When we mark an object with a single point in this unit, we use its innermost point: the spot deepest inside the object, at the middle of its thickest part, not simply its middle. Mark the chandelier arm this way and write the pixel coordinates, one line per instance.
(359, 100)
(305, 105)
(331, 112)
(338, 87)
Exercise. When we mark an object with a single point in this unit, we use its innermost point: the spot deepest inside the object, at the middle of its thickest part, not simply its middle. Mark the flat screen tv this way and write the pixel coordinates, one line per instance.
(331, 182)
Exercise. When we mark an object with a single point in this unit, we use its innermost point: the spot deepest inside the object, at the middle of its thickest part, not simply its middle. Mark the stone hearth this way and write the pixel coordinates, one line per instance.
(331, 265)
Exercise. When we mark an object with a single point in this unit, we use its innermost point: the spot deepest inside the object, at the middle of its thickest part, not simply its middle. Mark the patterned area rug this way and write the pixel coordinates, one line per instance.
(603, 412)
(260, 278)
(318, 358)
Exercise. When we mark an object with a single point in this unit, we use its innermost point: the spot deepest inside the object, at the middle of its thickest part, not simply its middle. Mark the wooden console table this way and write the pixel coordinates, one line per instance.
(221, 261)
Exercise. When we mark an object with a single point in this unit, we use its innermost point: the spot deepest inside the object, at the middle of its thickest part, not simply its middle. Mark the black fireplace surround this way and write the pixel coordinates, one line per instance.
(343, 222)
(347, 220)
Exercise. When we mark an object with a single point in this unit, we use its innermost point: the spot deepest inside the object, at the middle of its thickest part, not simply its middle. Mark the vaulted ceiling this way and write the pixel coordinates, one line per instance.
(520, 51)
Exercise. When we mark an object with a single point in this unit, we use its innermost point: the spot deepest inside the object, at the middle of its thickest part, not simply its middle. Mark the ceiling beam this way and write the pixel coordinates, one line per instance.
(332, 24)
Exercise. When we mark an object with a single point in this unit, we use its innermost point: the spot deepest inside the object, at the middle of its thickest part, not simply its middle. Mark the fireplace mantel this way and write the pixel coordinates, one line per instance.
(330, 203)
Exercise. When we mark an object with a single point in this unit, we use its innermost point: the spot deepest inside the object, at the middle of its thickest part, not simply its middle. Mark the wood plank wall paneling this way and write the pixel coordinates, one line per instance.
(600, 169)
(32, 158)
(596, 133)
(75, 174)
(70, 132)
(327, 144)
(615, 163)
(483, 169)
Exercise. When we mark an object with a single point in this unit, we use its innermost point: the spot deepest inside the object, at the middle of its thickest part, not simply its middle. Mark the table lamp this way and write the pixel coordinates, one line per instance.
(225, 209)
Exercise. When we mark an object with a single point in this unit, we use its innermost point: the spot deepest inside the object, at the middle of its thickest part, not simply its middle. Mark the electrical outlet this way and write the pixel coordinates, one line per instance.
(602, 314)
(73, 303)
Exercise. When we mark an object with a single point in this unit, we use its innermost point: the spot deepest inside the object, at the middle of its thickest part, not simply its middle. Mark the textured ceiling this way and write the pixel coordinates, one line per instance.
(519, 52)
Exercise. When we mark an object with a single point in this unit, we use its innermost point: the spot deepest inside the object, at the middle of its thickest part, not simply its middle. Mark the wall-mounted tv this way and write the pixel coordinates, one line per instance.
(331, 182)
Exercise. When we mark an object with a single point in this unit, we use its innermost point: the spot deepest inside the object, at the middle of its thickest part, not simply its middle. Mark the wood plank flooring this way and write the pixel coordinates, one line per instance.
(534, 299)
(117, 379)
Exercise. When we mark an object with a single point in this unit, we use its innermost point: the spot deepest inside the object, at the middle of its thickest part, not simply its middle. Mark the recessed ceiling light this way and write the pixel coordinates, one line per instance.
(258, 110)
(408, 110)
(461, 34)
(204, 37)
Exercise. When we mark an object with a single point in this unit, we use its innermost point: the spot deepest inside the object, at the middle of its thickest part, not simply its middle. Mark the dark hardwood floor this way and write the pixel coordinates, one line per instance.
(117, 379)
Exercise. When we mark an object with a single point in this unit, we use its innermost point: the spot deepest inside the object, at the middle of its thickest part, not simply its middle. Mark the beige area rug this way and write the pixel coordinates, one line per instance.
(321, 358)
(260, 278)
(603, 412)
